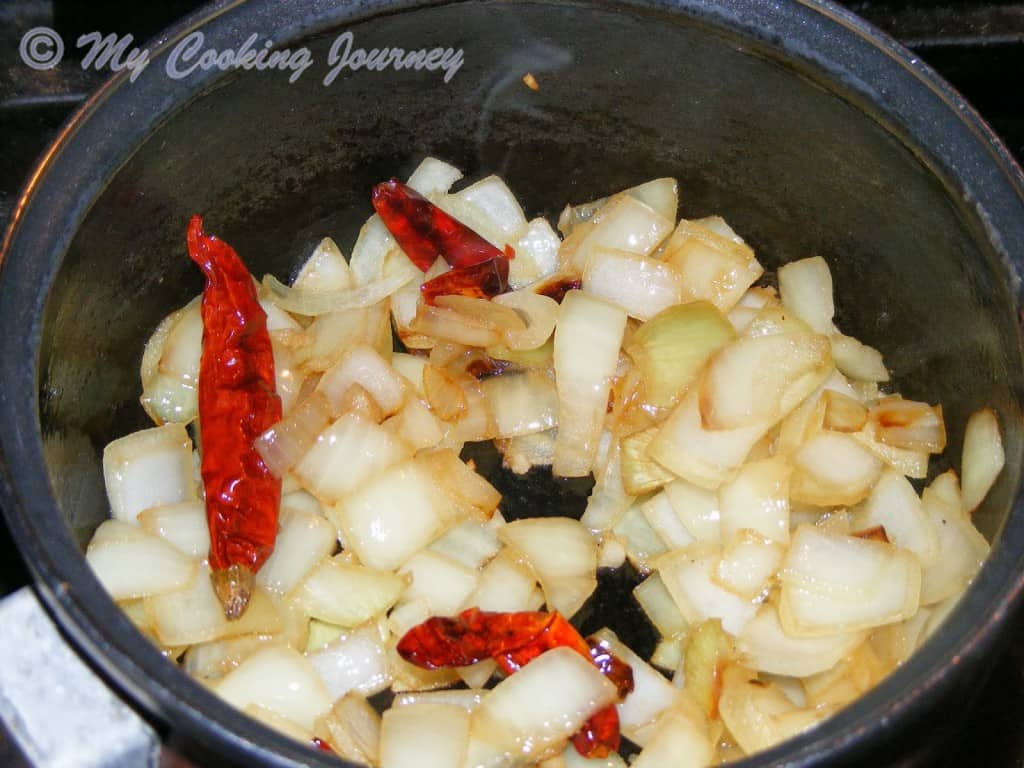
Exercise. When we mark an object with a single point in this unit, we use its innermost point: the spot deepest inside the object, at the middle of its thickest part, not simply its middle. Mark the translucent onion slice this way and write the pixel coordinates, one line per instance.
(652, 693)
(416, 425)
(833, 469)
(280, 680)
(539, 706)
(762, 378)
(348, 595)
(961, 548)
(563, 555)
(484, 311)
(843, 413)
(356, 662)
(688, 576)
(714, 268)
(326, 269)
(983, 457)
(540, 314)
(131, 563)
(894, 505)
(440, 323)
(640, 473)
(521, 403)
(183, 525)
(366, 367)
(314, 303)
(757, 499)
(765, 646)
(587, 340)
(536, 254)
(624, 223)
(708, 650)
(805, 287)
(857, 360)
(909, 425)
(440, 582)
(489, 208)
(642, 543)
(748, 564)
(212, 660)
(433, 177)
(149, 468)
(283, 445)
(642, 286)
(424, 735)
(698, 508)
(833, 584)
(506, 584)
(678, 740)
(662, 517)
(352, 728)
(659, 606)
(608, 500)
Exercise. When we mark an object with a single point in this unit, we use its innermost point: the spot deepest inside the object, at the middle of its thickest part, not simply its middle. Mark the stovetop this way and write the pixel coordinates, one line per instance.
(977, 46)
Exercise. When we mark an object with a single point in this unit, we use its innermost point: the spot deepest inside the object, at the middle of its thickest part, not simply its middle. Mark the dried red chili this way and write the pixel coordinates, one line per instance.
(425, 232)
(514, 640)
(237, 402)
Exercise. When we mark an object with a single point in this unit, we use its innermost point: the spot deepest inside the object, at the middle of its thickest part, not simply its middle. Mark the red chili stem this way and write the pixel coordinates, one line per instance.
(237, 402)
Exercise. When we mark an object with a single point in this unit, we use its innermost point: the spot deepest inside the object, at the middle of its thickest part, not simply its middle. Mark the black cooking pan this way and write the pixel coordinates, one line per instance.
(809, 131)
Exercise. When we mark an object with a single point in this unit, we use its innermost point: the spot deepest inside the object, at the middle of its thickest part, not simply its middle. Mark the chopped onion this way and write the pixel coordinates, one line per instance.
(348, 595)
(643, 544)
(367, 368)
(485, 312)
(329, 337)
(765, 646)
(833, 469)
(909, 425)
(662, 517)
(677, 741)
(440, 582)
(659, 606)
(833, 584)
(540, 313)
(757, 499)
(961, 548)
(284, 444)
(424, 735)
(857, 360)
(522, 403)
(149, 468)
(762, 378)
(907, 462)
(894, 505)
(587, 341)
(433, 177)
(506, 584)
(708, 650)
(671, 348)
(714, 268)
(698, 508)
(541, 705)
(444, 395)
(183, 525)
(472, 544)
(352, 728)
(212, 660)
(345, 455)
(983, 457)
(843, 413)
(660, 195)
(449, 325)
(325, 270)
(688, 576)
(278, 679)
(640, 473)
(416, 425)
(466, 488)
(624, 223)
(356, 662)
(641, 286)
(170, 366)
(805, 287)
(748, 564)
(563, 555)
(314, 303)
(536, 254)
(130, 563)
(489, 208)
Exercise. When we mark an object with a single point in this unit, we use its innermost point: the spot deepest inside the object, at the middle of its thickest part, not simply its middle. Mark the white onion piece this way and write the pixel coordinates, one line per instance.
(757, 499)
(288, 379)
(805, 287)
(213, 659)
(688, 576)
(352, 728)
(444, 324)
(149, 468)
(910, 425)
(765, 646)
(325, 270)
(278, 679)
(542, 704)
(857, 360)
(714, 268)
(410, 368)
(698, 509)
(748, 563)
(894, 505)
(641, 286)
(506, 584)
(843, 412)
(356, 662)
(424, 735)
(330, 336)
(348, 595)
(913, 464)
(277, 723)
(347, 454)
(303, 539)
(762, 378)
(433, 176)
(833, 584)
(833, 469)
(643, 545)
(536, 254)
(183, 525)
(676, 741)
(416, 425)
(473, 544)
(440, 582)
(170, 366)
(367, 368)
(313, 303)
(705, 457)
(468, 699)
(983, 457)
(587, 341)
(492, 210)
(540, 314)
(483, 311)
(652, 693)
(393, 516)
(662, 517)
(608, 501)
(469, 491)
(520, 454)
(660, 195)
(961, 548)
(563, 555)
(284, 444)
(196, 615)
(624, 223)
(659, 606)
(130, 563)
(641, 474)
(521, 403)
